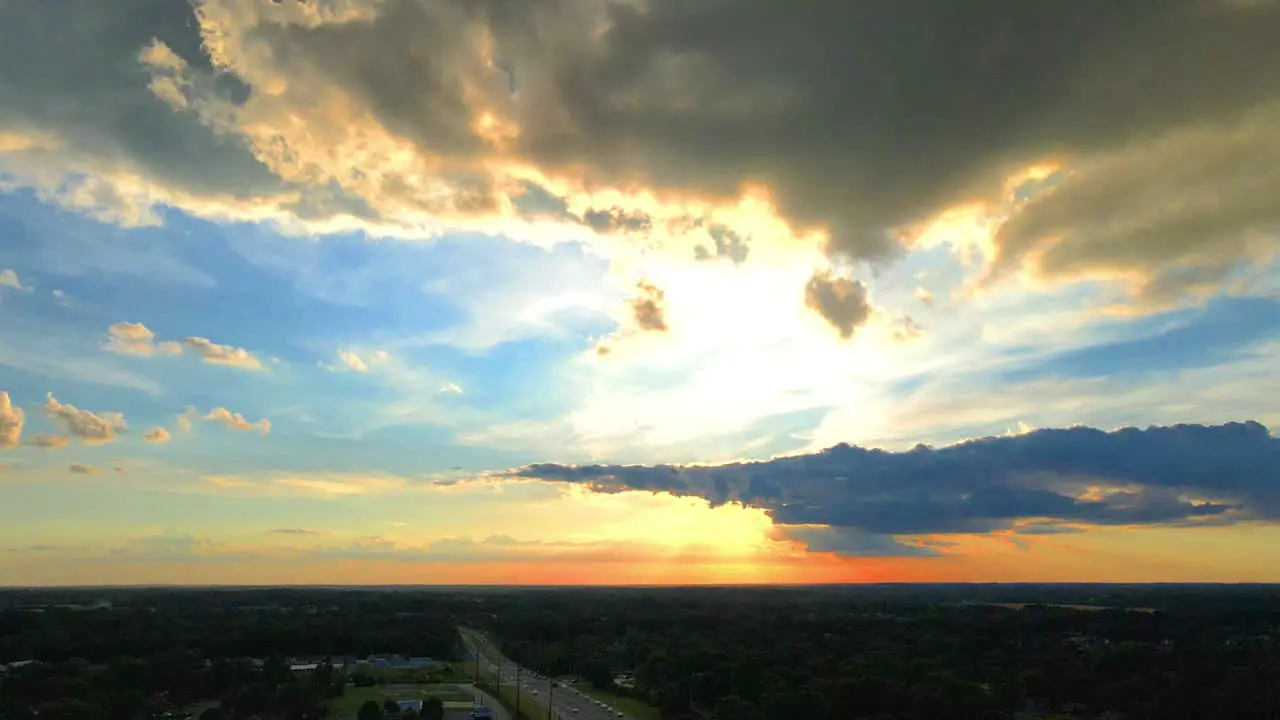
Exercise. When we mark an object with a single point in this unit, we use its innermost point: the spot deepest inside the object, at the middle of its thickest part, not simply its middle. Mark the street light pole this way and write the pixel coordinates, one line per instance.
(518, 686)
(551, 698)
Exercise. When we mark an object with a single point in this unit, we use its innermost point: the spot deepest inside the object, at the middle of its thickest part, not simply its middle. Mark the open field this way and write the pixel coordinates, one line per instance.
(346, 707)
(463, 670)
(196, 708)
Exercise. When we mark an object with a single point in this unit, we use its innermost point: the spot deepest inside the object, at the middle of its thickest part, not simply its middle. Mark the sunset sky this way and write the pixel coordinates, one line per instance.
(639, 291)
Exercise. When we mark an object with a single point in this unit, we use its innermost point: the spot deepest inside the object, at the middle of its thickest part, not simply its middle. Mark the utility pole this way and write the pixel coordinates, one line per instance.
(519, 685)
(551, 697)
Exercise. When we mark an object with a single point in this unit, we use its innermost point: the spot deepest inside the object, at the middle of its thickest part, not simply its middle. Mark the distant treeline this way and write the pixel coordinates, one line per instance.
(49, 625)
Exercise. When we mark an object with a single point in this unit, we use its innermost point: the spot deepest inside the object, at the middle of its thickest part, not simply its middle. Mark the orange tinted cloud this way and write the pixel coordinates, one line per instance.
(236, 421)
(91, 428)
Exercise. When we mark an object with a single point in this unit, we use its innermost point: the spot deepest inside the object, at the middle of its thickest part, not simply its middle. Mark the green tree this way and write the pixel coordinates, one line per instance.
(432, 709)
(370, 710)
(12, 709)
(126, 704)
(68, 709)
(213, 713)
(732, 707)
(597, 672)
(275, 671)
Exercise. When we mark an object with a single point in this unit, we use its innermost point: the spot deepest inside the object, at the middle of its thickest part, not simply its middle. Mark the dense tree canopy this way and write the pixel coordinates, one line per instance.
(224, 624)
(432, 709)
(904, 652)
(874, 652)
(150, 653)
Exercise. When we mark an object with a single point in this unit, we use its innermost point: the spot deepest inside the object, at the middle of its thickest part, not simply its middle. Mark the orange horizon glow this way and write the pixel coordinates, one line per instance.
(987, 560)
(636, 539)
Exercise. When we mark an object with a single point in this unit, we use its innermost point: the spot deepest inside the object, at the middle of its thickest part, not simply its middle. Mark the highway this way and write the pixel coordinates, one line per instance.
(567, 703)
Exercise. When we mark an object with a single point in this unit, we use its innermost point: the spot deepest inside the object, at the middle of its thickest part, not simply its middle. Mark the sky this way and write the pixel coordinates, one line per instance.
(639, 291)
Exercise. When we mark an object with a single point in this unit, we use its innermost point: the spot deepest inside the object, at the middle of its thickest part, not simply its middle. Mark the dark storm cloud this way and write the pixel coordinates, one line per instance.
(615, 219)
(866, 115)
(847, 542)
(863, 116)
(1048, 528)
(70, 67)
(1181, 475)
(536, 202)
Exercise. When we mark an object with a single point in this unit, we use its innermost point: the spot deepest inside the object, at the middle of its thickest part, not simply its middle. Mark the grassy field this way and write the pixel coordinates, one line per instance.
(346, 707)
(630, 706)
(351, 700)
(463, 670)
(198, 707)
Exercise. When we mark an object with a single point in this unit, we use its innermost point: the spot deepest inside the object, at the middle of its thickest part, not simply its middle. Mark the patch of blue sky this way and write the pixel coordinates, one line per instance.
(937, 269)
(511, 291)
(298, 299)
(419, 450)
(1167, 342)
(410, 450)
(782, 434)
(306, 297)
(378, 280)
(521, 379)
(40, 355)
(779, 434)
(98, 509)
(59, 248)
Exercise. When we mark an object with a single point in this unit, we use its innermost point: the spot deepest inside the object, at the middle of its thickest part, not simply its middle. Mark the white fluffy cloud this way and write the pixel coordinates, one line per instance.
(236, 421)
(157, 435)
(186, 418)
(11, 422)
(223, 354)
(91, 428)
(128, 338)
(9, 279)
(354, 361)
